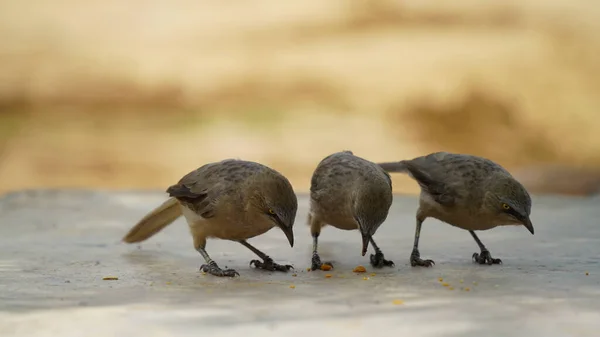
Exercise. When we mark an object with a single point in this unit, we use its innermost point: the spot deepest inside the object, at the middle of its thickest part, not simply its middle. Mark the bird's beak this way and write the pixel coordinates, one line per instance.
(289, 234)
(527, 223)
(365, 243)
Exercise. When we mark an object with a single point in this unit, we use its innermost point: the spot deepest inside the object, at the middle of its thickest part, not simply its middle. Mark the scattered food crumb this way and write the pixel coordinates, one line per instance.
(467, 289)
(151, 284)
(294, 275)
(365, 278)
(441, 279)
(398, 302)
(461, 281)
(169, 283)
(292, 286)
(203, 273)
(328, 275)
(110, 278)
(372, 274)
(325, 267)
(307, 269)
(450, 288)
(474, 282)
(587, 273)
(445, 284)
(359, 269)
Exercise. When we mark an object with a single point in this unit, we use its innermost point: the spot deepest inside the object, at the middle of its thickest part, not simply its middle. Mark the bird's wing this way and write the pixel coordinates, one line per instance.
(317, 186)
(433, 175)
(201, 188)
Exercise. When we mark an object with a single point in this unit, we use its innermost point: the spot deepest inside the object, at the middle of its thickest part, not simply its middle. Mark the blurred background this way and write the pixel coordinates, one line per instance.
(120, 95)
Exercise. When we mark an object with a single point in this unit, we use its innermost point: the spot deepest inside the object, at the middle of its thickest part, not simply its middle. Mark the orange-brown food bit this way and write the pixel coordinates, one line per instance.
(359, 269)
(326, 267)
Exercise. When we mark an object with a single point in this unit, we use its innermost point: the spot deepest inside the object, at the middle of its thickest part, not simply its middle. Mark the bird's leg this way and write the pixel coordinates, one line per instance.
(267, 263)
(315, 228)
(212, 268)
(377, 259)
(415, 256)
(484, 257)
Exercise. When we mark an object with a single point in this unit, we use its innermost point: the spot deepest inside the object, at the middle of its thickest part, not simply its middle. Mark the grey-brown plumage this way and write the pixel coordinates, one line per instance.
(349, 193)
(465, 191)
(232, 200)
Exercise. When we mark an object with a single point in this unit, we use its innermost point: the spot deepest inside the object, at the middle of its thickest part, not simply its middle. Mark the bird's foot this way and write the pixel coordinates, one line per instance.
(213, 269)
(415, 260)
(316, 263)
(378, 261)
(485, 258)
(269, 265)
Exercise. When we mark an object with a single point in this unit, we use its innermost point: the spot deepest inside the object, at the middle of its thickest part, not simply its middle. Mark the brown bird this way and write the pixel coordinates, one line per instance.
(231, 200)
(349, 193)
(465, 191)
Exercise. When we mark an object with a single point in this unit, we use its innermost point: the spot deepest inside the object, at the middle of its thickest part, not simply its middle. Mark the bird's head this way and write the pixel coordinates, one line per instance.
(509, 202)
(371, 206)
(276, 202)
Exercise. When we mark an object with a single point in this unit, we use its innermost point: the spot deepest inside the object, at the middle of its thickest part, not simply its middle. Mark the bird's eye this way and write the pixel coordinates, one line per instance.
(505, 206)
(271, 212)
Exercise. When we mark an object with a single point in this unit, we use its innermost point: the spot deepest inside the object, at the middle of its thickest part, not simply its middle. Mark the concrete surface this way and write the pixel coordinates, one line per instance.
(55, 248)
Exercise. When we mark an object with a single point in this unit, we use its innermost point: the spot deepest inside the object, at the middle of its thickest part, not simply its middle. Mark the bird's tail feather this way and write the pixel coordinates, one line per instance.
(396, 166)
(155, 221)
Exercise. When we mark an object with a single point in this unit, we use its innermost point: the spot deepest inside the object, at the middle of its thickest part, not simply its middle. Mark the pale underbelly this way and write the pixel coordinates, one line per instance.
(460, 222)
(227, 230)
(224, 228)
(344, 226)
(340, 222)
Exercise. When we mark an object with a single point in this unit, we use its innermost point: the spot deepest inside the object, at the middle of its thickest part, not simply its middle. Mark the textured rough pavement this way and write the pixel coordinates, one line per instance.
(55, 248)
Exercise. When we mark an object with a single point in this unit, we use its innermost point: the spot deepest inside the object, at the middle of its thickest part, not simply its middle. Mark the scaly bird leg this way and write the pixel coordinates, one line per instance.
(267, 262)
(212, 268)
(485, 257)
(315, 229)
(415, 256)
(377, 259)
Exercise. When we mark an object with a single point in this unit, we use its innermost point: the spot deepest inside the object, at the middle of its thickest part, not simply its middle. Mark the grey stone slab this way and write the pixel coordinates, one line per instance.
(56, 246)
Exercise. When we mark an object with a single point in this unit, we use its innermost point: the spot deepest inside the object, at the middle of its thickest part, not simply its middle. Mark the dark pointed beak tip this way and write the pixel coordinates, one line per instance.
(529, 226)
(365, 243)
(289, 234)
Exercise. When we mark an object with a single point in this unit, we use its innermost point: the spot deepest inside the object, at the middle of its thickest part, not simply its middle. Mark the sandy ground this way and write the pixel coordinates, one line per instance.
(56, 246)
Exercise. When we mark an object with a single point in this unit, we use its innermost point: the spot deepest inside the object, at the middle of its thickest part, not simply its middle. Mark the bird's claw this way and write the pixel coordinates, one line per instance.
(269, 265)
(378, 261)
(485, 258)
(316, 263)
(213, 269)
(415, 260)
